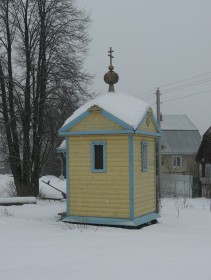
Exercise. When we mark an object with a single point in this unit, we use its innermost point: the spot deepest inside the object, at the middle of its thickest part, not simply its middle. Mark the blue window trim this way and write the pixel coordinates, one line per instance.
(103, 170)
(143, 145)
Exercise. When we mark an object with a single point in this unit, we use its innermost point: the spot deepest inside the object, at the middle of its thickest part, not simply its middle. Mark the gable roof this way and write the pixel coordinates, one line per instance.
(179, 135)
(126, 108)
(180, 142)
(177, 122)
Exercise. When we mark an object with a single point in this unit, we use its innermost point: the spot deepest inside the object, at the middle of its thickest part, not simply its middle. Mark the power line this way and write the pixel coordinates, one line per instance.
(143, 96)
(184, 80)
(146, 94)
(194, 94)
(187, 85)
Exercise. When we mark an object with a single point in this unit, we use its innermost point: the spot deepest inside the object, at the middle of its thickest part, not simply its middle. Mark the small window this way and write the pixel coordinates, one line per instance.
(98, 156)
(208, 170)
(144, 156)
(176, 161)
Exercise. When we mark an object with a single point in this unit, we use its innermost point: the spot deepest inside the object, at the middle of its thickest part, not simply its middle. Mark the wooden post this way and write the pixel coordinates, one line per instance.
(158, 153)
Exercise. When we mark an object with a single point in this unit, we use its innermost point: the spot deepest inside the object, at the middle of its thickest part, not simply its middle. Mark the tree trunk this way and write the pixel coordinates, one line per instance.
(48, 39)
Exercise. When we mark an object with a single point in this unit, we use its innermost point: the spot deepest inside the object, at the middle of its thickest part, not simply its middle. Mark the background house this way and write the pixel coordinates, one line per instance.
(180, 141)
(203, 157)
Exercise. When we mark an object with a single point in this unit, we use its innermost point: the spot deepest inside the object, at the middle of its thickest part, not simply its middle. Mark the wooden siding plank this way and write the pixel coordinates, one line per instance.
(150, 128)
(144, 182)
(96, 121)
(99, 194)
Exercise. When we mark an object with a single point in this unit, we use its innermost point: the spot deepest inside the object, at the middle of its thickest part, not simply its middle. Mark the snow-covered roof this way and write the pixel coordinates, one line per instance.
(179, 135)
(62, 146)
(124, 107)
(177, 122)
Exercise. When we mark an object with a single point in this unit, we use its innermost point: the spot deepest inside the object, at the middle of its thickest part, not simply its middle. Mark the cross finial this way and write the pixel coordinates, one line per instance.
(110, 55)
(111, 77)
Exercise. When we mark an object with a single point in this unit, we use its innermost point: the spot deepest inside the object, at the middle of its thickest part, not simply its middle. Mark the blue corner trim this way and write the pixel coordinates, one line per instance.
(155, 174)
(111, 221)
(92, 156)
(116, 120)
(74, 122)
(131, 176)
(67, 178)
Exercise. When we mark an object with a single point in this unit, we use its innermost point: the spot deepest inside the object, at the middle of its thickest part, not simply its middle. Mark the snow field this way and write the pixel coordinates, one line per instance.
(35, 245)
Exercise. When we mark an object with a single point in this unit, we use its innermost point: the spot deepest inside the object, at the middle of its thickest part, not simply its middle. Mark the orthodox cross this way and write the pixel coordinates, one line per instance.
(110, 55)
(111, 77)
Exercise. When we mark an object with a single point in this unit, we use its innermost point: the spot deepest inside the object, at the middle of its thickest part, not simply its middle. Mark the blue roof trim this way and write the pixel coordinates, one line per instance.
(142, 120)
(97, 132)
(111, 221)
(156, 124)
(148, 133)
(87, 113)
(116, 120)
(66, 133)
(74, 122)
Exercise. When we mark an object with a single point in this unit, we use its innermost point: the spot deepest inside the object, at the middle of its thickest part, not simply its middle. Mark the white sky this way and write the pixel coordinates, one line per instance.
(155, 43)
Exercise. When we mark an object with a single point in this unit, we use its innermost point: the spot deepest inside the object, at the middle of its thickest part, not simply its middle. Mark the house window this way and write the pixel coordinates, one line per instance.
(176, 161)
(208, 170)
(98, 156)
(144, 156)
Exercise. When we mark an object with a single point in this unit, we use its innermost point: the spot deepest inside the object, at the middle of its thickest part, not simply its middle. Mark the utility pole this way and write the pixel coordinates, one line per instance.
(158, 152)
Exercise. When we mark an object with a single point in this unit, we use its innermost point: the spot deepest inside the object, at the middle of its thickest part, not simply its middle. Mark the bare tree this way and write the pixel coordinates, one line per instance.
(43, 44)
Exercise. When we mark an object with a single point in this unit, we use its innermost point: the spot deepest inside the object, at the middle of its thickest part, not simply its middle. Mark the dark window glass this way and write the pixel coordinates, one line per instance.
(98, 156)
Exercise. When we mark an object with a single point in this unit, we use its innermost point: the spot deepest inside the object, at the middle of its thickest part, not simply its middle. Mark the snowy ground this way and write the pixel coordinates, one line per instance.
(35, 245)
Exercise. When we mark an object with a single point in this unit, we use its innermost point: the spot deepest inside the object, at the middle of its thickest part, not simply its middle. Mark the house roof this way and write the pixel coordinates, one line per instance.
(125, 107)
(179, 135)
(177, 122)
(180, 141)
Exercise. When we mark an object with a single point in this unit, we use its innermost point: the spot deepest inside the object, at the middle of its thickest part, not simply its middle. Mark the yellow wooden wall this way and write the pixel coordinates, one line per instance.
(144, 182)
(99, 194)
(151, 127)
(95, 121)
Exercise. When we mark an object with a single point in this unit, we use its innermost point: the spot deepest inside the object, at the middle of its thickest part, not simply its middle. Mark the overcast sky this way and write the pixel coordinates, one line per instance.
(155, 42)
